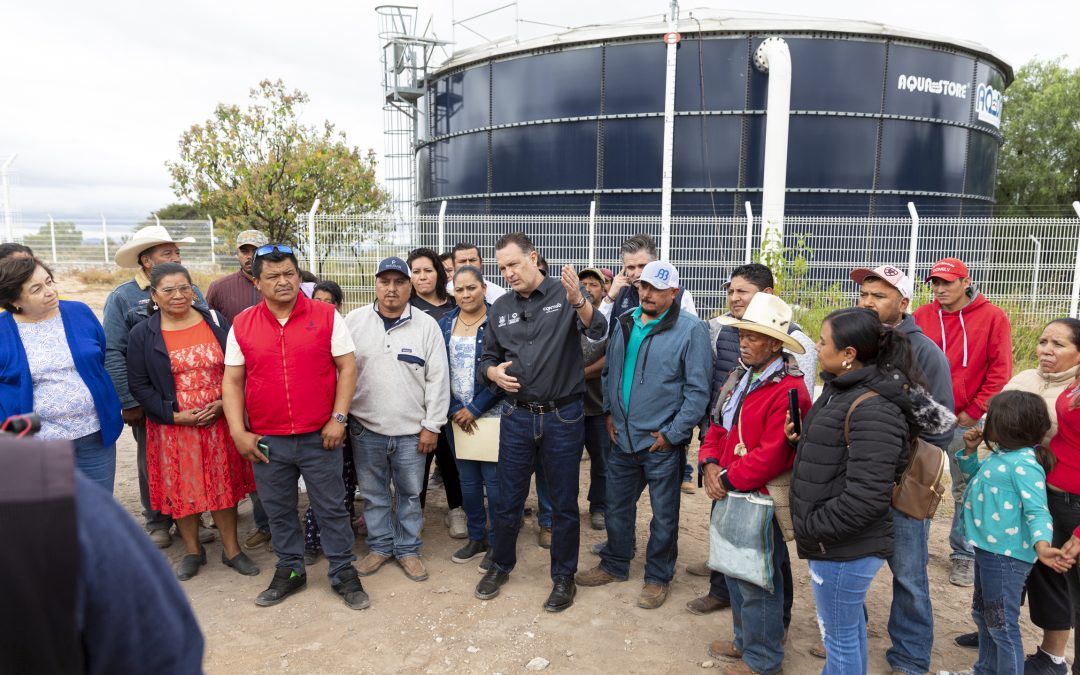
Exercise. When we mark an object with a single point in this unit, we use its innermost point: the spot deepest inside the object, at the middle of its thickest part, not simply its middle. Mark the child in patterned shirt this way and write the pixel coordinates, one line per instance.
(1006, 521)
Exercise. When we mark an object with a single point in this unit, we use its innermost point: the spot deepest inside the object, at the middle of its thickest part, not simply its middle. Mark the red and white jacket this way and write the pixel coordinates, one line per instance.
(759, 426)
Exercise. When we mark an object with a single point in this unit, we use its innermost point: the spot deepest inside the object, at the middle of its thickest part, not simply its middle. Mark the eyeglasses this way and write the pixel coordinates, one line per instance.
(270, 248)
(169, 292)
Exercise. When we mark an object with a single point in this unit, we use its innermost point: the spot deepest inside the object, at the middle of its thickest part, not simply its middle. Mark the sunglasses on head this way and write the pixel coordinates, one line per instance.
(270, 248)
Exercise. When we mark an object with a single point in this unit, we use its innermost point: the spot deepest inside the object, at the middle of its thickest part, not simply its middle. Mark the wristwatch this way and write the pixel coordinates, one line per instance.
(338, 417)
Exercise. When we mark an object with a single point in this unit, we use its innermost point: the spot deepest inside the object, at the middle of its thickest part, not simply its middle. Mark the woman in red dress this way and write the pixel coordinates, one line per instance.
(176, 360)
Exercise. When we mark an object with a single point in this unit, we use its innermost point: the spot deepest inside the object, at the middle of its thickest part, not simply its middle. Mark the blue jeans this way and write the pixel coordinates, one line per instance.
(543, 501)
(840, 591)
(290, 458)
(557, 438)
(627, 475)
(995, 606)
(95, 460)
(154, 520)
(758, 616)
(475, 477)
(381, 461)
(911, 619)
(957, 541)
(598, 445)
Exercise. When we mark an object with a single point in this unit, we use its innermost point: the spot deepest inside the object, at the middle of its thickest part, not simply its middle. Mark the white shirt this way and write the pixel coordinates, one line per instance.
(341, 342)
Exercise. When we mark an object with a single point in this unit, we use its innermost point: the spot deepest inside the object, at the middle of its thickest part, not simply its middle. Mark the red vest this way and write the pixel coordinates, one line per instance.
(291, 377)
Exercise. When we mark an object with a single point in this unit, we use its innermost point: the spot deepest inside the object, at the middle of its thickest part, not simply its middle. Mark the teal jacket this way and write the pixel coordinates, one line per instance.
(1005, 508)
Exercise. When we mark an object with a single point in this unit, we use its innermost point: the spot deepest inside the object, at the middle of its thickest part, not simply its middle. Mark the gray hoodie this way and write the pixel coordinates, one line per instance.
(935, 367)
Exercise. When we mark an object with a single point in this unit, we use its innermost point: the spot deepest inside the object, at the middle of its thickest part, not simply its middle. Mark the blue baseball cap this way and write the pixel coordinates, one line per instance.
(393, 264)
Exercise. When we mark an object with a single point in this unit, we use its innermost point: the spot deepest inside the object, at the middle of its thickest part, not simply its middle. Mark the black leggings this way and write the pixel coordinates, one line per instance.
(1054, 599)
(444, 457)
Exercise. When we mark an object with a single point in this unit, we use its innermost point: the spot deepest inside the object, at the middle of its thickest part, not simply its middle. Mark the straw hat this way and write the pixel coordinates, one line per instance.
(150, 236)
(768, 315)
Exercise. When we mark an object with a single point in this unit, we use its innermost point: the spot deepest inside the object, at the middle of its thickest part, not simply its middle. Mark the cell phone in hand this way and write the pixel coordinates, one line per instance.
(263, 448)
(793, 410)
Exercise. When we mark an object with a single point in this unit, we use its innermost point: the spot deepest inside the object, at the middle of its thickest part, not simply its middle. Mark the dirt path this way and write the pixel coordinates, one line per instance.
(437, 626)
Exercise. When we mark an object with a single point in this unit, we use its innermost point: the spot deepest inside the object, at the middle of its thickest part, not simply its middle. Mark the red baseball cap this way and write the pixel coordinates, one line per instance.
(948, 269)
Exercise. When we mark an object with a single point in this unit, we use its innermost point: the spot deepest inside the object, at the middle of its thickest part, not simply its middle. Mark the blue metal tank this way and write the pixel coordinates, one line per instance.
(880, 116)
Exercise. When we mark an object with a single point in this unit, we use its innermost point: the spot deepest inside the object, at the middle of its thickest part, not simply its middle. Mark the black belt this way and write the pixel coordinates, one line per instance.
(544, 407)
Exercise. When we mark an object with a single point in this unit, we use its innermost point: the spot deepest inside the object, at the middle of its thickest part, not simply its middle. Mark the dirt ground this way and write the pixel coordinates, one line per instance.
(438, 626)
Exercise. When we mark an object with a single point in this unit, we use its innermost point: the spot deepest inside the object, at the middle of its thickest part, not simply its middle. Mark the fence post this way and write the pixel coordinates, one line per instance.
(592, 233)
(213, 258)
(440, 233)
(1073, 306)
(52, 237)
(749, 233)
(913, 247)
(105, 237)
(1035, 276)
(313, 261)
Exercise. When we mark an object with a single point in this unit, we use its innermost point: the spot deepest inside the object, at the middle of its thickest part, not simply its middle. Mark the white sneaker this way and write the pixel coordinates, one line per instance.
(455, 520)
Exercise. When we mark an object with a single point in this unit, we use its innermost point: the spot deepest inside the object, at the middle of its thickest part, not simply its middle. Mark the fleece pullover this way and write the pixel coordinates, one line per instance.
(403, 382)
(977, 340)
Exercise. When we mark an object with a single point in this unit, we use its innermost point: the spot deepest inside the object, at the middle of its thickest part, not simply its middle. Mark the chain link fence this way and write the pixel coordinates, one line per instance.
(85, 243)
(1028, 265)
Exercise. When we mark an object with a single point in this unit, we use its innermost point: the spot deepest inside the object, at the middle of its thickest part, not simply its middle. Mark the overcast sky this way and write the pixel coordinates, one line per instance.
(95, 95)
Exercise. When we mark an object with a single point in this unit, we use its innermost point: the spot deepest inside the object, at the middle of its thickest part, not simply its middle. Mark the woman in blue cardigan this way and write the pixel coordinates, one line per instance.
(52, 362)
(463, 330)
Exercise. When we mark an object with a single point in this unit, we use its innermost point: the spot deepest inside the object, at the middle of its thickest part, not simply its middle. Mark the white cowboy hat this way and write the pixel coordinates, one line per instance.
(148, 237)
(768, 315)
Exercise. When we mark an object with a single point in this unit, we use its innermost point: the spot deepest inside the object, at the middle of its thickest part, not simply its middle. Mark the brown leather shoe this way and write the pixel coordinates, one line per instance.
(597, 576)
(700, 569)
(818, 650)
(652, 596)
(414, 567)
(706, 604)
(724, 650)
(371, 563)
(688, 487)
(543, 539)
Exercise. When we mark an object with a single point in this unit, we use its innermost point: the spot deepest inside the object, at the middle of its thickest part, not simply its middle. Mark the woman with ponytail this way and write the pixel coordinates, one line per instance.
(842, 482)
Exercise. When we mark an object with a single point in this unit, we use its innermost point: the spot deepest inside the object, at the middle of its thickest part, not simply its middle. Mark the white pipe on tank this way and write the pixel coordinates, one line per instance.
(669, 135)
(913, 245)
(773, 57)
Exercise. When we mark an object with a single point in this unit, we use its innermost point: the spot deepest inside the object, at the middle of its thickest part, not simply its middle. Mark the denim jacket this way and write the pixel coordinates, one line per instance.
(126, 306)
(484, 399)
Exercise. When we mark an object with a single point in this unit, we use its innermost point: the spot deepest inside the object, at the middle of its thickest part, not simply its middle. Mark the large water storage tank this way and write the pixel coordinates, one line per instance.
(879, 116)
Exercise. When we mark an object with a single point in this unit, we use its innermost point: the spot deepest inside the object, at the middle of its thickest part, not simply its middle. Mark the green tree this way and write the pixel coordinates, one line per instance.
(1040, 159)
(178, 211)
(260, 167)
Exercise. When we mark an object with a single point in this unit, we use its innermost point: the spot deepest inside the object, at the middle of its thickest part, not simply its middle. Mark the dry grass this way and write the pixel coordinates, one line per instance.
(104, 277)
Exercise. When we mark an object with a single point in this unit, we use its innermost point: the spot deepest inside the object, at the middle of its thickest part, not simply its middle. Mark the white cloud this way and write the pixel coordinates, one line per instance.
(96, 95)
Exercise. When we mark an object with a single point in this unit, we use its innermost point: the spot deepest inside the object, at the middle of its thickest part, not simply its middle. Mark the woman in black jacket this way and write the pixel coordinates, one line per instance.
(176, 361)
(841, 489)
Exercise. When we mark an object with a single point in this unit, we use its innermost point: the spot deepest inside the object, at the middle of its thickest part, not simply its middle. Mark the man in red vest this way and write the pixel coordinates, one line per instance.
(290, 365)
